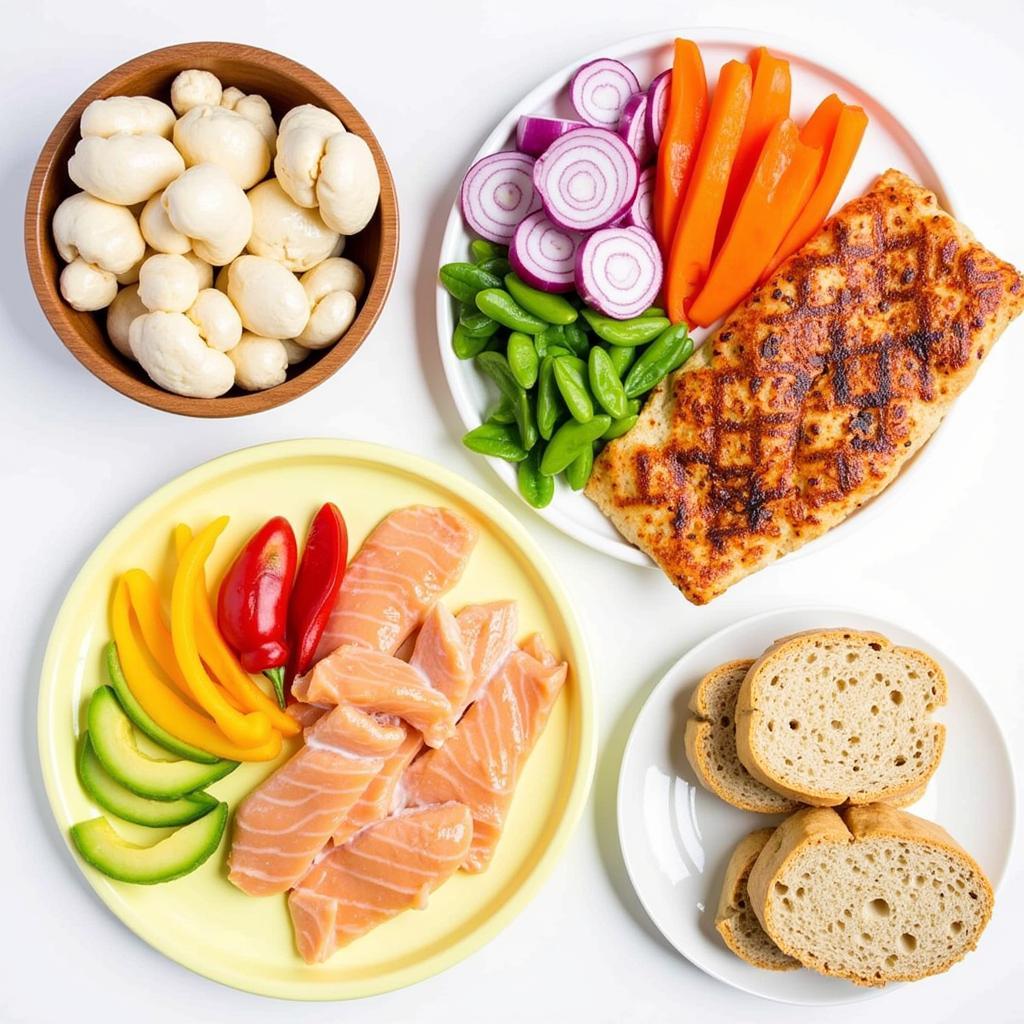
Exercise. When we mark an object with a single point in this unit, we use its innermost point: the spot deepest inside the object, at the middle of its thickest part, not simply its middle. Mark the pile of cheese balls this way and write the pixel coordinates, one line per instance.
(170, 193)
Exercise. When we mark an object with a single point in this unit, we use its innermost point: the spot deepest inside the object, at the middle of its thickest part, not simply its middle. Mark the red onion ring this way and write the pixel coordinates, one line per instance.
(497, 193)
(543, 255)
(599, 91)
(535, 134)
(633, 127)
(619, 271)
(657, 107)
(641, 212)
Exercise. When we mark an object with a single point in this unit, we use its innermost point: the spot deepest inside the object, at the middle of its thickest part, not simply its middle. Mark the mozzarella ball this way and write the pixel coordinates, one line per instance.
(268, 297)
(170, 349)
(348, 186)
(333, 275)
(295, 352)
(216, 135)
(217, 319)
(291, 234)
(131, 275)
(101, 233)
(124, 169)
(158, 231)
(208, 206)
(86, 287)
(194, 88)
(260, 363)
(203, 270)
(301, 143)
(122, 311)
(167, 283)
(136, 115)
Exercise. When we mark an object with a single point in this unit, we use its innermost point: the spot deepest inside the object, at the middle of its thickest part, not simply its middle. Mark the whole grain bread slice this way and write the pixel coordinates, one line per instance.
(835, 716)
(710, 742)
(736, 921)
(871, 894)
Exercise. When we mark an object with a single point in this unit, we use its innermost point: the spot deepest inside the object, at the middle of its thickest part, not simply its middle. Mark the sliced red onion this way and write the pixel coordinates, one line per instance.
(544, 255)
(586, 179)
(657, 107)
(618, 271)
(599, 91)
(641, 212)
(535, 134)
(633, 127)
(497, 193)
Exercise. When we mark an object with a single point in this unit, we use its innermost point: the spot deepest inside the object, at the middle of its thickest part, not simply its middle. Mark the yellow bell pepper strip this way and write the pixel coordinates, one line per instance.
(220, 659)
(162, 704)
(246, 729)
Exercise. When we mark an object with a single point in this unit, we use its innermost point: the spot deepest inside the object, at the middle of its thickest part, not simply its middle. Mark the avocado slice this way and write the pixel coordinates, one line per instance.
(134, 710)
(181, 852)
(111, 736)
(140, 810)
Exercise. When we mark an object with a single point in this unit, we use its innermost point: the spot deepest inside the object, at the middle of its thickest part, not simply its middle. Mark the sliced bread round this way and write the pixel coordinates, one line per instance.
(736, 921)
(873, 894)
(835, 716)
(710, 741)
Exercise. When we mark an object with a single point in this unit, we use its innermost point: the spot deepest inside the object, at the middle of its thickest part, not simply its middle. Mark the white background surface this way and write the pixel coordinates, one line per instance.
(431, 79)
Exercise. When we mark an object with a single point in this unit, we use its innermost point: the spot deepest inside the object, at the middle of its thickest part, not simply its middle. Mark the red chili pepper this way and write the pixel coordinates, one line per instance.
(316, 587)
(252, 606)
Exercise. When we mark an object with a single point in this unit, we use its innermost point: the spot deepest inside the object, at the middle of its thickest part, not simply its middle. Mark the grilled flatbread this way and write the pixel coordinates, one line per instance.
(813, 394)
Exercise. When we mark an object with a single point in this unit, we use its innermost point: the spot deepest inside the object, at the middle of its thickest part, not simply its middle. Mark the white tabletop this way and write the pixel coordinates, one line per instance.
(431, 79)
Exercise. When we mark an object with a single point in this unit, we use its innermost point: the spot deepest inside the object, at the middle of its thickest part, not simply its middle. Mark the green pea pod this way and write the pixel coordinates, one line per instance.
(570, 376)
(638, 331)
(605, 384)
(500, 412)
(464, 280)
(500, 306)
(553, 335)
(622, 358)
(569, 441)
(548, 399)
(670, 349)
(653, 311)
(560, 350)
(552, 308)
(620, 426)
(684, 354)
(522, 359)
(499, 266)
(495, 439)
(477, 324)
(577, 473)
(526, 422)
(577, 340)
(495, 365)
(534, 486)
(466, 345)
(480, 250)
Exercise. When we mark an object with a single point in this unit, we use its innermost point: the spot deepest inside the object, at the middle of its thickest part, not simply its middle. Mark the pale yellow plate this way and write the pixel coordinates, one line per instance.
(202, 921)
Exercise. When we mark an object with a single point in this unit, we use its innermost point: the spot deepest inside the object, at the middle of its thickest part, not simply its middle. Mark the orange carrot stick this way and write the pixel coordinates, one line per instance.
(684, 126)
(821, 125)
(694, 238)
(783, 180)
(769, 104)
(845, 143)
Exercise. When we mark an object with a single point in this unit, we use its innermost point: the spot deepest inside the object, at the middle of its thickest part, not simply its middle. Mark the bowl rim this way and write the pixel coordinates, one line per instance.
(37, 238)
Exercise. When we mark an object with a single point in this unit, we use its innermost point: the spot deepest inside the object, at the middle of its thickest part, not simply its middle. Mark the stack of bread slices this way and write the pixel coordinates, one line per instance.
(834, 728)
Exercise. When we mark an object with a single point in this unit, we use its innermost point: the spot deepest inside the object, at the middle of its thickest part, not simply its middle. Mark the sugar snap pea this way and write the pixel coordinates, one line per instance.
(551, 308)
(500, 412)
(522, 359)
(671, 348)
(495, 365)
(548, 400)
(653, 311)
(477, 324)
(500, 306)
(553, 335)
(576, 339)
(499, 266)
(624, 424)
(496, 439)
(568, 442)
(466, 345)
(622, 358)
(638, 331)
(571, 378)
(534, 486)
(577, 473)
(480, 250)
(605, 384)
(464, 280)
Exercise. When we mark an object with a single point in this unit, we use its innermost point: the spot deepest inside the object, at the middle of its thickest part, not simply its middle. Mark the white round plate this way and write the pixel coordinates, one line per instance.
(676, 836)
(887, 143)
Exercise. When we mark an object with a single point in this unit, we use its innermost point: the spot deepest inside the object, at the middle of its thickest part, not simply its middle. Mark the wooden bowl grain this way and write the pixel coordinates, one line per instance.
(285, 84)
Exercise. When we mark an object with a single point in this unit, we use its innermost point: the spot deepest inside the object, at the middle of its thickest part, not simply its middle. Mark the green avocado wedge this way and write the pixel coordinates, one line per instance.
(134, 710)
(111, 736)
(115, 798)
(180, 853)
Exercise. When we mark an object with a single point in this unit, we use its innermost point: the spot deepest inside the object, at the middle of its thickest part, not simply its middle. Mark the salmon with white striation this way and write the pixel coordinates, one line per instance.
(489, 633)
(411, 558)
(481, 764)
(284, 823)
(440, 655)
(387, 868)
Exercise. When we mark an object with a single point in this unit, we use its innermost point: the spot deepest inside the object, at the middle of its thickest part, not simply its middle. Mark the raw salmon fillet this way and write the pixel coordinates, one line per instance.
(389, 867)
(489, 633)
(410, 559)
(285, 822)
(481, 764)
(377, 682)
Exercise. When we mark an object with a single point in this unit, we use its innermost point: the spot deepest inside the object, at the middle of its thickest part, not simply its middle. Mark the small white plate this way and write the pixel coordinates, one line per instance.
(887, 143)
(676, 837)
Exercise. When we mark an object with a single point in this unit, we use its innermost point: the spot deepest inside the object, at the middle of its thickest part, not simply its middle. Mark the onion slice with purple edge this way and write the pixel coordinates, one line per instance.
(633, 128)
(599, 91)
(619, 271)
(657, 107)
(535, 134)
(641, 212)
(543, 255)
(586, 179)
(497, 193)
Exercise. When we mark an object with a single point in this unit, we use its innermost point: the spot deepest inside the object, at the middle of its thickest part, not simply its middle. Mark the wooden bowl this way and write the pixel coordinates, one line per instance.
(284, 84)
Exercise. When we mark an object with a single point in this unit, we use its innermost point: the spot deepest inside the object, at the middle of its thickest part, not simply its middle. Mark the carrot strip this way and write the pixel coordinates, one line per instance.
(849, 131)
(684, 126)
(769, 104)
(783, 180)
(694, 238)
(821, 125)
